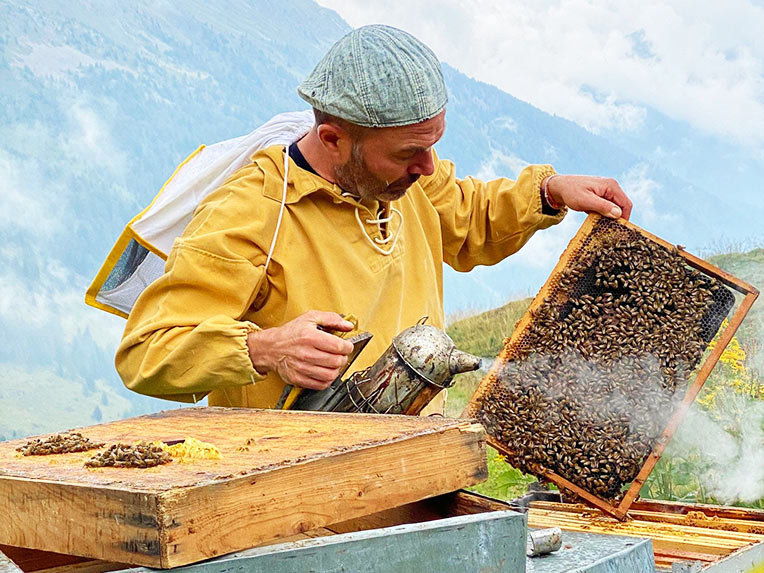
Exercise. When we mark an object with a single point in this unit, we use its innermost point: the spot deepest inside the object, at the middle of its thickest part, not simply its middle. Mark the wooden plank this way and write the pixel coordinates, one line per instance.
(695, 518)
(248, 512)
(662, 545)
(417, 512)
(659, 528)
(723, 511)
(467, 503)
(447, 546)
(86, 566)
(452, 504)
(282, 473)
(749, 559)
(678, 554)
(30, 560)
(666, 539)
(724, 538)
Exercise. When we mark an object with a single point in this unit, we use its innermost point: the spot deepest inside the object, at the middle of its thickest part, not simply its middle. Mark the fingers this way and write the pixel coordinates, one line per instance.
(592, 194)
(299, 352)
(605, 208)
(313, 372)
(310, 384)
(324, 359)
(330, 343)
(318, 380)
(323, 340)
(620, 199)
(330, 320)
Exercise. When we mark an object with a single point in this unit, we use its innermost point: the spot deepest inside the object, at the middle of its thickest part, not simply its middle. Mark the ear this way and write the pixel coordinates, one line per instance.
(336, 141)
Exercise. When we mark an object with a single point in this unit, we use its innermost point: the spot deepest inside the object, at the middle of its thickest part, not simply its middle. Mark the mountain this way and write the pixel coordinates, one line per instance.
(99, 101)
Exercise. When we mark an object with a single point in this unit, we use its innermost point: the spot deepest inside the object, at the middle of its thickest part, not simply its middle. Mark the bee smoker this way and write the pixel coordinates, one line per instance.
(420, 362)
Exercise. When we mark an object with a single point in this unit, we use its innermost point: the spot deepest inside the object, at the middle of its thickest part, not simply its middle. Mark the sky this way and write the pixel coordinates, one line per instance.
(599, 63)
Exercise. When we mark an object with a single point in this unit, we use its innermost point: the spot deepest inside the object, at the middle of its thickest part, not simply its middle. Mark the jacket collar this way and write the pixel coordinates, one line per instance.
(301, 183)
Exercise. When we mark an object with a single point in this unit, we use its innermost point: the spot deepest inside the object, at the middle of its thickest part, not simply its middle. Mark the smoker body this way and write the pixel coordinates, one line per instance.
(420, 361)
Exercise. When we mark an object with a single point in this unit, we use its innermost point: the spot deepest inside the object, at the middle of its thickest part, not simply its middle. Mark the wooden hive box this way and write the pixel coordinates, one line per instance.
(281, 473)
(716, 538)
(601, 369)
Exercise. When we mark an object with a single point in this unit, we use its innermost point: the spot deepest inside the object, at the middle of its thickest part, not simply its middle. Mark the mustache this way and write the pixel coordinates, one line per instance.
(404, 182)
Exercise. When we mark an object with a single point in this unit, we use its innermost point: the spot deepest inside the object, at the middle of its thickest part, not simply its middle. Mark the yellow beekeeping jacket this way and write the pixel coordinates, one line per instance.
(186, 335)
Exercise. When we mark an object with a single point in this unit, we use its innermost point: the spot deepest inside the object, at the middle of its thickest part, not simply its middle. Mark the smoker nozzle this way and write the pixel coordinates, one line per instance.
(460, 361)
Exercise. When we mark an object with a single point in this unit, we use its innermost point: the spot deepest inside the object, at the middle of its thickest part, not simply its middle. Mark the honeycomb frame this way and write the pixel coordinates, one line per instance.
(588, 237)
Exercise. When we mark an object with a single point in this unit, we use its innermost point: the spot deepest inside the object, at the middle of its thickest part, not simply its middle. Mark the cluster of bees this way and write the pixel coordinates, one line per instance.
(118, 455)
(58, 444)
(589, 386)
(130, 456)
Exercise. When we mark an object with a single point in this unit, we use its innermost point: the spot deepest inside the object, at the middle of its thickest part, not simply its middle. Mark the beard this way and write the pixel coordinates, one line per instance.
(354, 176)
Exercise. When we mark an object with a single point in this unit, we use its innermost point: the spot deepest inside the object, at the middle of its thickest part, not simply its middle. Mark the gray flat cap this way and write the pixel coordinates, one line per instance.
(377, 76)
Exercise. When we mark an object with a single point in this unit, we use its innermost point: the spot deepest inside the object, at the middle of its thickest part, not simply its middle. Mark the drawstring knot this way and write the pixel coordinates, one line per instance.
(392, 236)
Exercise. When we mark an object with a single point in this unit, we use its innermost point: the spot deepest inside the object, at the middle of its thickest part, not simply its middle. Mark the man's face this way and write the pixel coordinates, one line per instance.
(385, 162)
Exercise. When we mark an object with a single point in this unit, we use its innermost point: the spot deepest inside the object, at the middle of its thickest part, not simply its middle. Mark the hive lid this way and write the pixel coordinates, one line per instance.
(281, 473)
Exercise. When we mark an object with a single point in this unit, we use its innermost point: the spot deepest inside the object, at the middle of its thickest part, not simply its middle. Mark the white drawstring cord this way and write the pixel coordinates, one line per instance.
(377, 241)
(379, 221)
(281, 210)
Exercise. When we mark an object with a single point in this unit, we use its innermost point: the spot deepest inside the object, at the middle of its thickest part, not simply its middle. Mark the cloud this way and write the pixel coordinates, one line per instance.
(500, 164)
(28, 201)
(55, 299)
(641, 189)
(543, 249)
(89, 141)
(734, 459)
(601, 63)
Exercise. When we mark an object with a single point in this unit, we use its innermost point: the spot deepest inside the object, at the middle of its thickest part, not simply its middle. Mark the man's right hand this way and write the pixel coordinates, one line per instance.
(299, 352)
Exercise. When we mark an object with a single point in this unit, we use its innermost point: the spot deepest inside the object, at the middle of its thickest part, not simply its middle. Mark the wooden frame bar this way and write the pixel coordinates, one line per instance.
(749, 293)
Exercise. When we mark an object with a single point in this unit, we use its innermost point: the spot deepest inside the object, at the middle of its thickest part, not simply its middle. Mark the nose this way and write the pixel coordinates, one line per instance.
(423, 164)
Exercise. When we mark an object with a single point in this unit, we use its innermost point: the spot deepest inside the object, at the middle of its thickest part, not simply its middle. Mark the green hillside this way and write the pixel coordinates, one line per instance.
(750, 268)
(483, 335)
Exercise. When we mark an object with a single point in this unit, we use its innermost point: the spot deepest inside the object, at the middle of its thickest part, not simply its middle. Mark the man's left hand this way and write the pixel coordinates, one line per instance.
(590, 194)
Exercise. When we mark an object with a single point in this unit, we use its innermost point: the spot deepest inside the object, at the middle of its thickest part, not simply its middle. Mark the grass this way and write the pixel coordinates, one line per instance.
(483, 335)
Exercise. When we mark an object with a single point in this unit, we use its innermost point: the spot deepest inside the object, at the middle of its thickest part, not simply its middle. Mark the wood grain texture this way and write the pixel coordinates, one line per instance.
(674, 536)
(489, 543)
(281, 473)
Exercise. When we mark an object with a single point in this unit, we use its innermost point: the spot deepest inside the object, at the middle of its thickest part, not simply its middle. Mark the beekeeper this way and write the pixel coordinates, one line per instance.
(357, 217)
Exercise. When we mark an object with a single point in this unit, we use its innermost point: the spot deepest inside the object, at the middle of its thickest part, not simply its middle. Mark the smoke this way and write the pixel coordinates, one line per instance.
(630, 389)
(486, 364)
(729, 447)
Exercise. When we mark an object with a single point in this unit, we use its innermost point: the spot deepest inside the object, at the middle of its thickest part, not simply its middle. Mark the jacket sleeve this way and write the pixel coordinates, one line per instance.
(484, 222)
(185, 336)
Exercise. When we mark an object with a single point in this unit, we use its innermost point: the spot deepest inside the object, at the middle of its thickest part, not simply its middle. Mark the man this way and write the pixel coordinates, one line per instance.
(367, 217)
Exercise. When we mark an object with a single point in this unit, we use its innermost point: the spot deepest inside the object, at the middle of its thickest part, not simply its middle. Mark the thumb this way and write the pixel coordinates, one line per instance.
(606, 208)
(331, 321)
